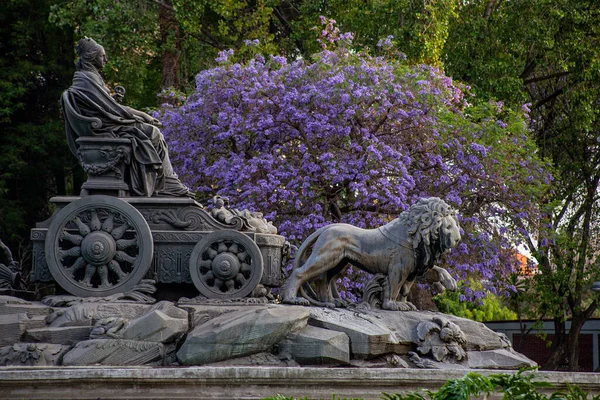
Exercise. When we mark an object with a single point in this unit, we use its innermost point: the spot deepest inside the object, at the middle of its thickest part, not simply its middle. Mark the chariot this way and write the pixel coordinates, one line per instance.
(105, 241)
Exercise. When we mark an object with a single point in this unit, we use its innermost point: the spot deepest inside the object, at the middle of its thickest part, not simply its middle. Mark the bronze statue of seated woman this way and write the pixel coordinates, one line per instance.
(92, 113)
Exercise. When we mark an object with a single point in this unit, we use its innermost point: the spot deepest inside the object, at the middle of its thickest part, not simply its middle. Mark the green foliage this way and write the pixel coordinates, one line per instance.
(490, 308)
(283, 397)
(522, 385)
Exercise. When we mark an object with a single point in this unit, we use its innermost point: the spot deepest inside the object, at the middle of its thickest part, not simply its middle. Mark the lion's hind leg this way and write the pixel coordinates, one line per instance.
(325, 256)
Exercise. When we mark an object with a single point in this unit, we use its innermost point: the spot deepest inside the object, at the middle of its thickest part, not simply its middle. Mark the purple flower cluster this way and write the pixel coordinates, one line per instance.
(357, 139)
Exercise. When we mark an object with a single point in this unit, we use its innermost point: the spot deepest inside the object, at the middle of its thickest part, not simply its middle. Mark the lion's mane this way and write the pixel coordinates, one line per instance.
(424, 221)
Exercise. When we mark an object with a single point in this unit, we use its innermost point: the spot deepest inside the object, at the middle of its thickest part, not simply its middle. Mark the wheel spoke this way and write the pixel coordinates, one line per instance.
(234, 248)
(211, 253)
(242, 256)
(117, 233)
(245, 268)
(74, 239)
(89, 273)
(222, 247)
(72, 252)
(229, 284)
(77, 265)
(218, 283)
(83, 228)
(124, 244)
(240, 279)
(95, 221)
(109, 222)
(103, 274)
(114, 266)
(122, 256)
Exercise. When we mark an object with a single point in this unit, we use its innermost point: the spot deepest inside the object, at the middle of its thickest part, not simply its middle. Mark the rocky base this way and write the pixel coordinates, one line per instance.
(169, 334)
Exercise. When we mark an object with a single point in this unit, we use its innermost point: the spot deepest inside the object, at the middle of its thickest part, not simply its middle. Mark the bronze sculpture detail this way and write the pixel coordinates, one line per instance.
(92, 112)
(403, 250)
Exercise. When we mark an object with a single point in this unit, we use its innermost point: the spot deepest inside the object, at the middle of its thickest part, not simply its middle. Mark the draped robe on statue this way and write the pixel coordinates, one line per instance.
(150, 171)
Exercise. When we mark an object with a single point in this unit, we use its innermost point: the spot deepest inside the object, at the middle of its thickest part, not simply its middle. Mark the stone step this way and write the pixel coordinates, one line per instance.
(64, 335)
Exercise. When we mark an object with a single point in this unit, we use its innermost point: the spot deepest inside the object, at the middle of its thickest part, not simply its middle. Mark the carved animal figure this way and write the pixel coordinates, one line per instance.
(406, 248)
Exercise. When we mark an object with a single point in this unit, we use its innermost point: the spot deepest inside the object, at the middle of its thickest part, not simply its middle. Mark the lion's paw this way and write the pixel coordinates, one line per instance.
(299, 301)
(398, 306)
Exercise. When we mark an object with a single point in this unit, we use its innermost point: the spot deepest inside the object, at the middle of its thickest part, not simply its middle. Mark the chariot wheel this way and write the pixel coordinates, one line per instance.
(226, 264)
(98, 246)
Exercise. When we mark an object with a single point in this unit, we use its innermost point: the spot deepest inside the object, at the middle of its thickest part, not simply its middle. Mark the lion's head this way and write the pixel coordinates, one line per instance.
(433, 229)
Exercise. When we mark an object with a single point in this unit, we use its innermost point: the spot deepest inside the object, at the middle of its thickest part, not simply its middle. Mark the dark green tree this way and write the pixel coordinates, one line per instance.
(545, 53)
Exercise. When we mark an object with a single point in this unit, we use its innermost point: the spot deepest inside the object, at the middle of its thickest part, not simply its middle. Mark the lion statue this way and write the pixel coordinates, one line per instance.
(403, 250)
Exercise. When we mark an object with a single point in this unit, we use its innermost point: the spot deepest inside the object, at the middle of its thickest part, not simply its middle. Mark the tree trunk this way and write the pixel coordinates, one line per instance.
(170, 35)
(557, 356)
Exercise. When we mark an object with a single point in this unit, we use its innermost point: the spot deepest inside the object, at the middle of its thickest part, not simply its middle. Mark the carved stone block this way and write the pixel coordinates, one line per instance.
(240, 333)
(113, 352)
(13, 305)
(65, 335)
(87, 314)
(368, 337)
(12, 328)
(498, 359)
(314, 346)
(155, 327)
(32, 354)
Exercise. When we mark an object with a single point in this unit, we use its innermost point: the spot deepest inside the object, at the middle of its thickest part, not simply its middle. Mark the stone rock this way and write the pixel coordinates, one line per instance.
(256, 360)
(404, 327)
(68, 335)
(369, 337)
(12, 328)
(87, 314)
(32, 354)
(14, 305)
(113, 352)
(387, 361)
(163, 322)
(12, 300)
(312, 346)
(202, 313)
(36, 322)
(498, 359)
(479, 337)
(240, 333)
(170, 309)
(155, 327)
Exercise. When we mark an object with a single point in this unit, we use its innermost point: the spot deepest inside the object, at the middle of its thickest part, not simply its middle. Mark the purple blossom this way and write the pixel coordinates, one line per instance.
(295, 139)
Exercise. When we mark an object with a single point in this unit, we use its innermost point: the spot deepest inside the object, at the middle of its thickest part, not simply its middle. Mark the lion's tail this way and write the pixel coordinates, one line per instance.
(301, 255)
(307, 244)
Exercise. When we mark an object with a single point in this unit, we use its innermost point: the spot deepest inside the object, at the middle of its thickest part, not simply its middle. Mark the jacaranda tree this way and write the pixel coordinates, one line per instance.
(357, 138)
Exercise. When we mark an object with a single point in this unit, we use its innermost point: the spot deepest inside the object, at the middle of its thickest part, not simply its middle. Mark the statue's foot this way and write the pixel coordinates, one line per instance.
(299, 301)
(398, 306)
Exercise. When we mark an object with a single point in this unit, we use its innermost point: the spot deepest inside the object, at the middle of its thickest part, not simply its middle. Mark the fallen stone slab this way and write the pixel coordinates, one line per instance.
(87, 314)
(170, 309)
(240, 333)
(36, 322)
(155, 327)
(202, 313)
(113, 352)
(14, 305)
(12, 328)
(67, 335)
(498, 359)
(32, 354)
(314, 346)
(369, 337)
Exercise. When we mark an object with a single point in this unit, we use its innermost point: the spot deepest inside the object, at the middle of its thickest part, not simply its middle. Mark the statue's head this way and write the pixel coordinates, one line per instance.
(91, 55)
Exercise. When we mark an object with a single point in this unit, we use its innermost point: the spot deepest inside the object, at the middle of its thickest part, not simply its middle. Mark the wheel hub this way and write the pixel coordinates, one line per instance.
(98, 248)
(225, 266)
